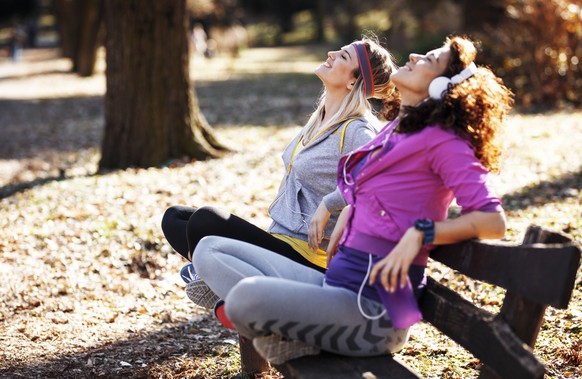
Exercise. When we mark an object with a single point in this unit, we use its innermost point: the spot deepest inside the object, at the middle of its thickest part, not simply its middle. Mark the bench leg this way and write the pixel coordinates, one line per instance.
(487, 373)
(251, 362)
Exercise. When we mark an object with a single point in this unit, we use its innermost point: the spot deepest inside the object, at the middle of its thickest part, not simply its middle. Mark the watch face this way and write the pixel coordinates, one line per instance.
(424, 223)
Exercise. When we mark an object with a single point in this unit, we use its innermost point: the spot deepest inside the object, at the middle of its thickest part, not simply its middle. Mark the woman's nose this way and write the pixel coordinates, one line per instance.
(414, 57)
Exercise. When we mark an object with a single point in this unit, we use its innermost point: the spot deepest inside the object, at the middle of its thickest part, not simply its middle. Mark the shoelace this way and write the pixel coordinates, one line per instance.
(190, 275)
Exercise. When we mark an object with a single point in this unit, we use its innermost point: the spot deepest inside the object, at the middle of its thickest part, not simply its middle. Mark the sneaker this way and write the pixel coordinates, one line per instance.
(198, 291)
(277, 350)
(221, 315)
(188, 274)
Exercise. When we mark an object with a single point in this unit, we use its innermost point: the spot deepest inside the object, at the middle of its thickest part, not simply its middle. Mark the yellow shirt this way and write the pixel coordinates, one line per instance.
(318, 257)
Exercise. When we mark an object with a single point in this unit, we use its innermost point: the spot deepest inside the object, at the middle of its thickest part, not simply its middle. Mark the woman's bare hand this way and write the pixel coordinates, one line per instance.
(317, 226)
(336, 235)
(392, 270)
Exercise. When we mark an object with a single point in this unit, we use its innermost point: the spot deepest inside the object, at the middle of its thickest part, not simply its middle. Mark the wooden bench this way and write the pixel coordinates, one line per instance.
(538, 273)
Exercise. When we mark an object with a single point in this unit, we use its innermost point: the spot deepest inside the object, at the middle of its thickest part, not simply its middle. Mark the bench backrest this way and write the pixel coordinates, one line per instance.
(539, 272)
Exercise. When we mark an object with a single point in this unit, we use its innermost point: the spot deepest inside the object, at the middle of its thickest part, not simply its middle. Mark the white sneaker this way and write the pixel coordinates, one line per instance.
(201, 294)
(196, 289)
(277, 350)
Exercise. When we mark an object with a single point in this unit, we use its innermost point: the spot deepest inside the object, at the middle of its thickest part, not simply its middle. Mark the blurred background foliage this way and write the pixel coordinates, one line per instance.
(535, 45)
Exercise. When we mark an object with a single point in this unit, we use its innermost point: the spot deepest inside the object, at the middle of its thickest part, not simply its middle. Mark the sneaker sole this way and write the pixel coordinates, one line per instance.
(276, 351)
(201, 294)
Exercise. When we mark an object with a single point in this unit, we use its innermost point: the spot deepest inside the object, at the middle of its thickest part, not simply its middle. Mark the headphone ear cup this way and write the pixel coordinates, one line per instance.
(438, 86)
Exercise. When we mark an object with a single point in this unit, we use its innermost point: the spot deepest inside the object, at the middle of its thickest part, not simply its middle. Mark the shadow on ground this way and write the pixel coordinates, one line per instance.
(180, 347)
(547, 191)
(73, 123)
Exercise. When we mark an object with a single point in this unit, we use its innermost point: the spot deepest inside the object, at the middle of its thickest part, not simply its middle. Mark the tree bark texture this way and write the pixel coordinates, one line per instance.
(151, 112)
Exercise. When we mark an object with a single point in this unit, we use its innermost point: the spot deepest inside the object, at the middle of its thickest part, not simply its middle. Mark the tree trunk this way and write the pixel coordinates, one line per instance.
(320, 10)
(68, 25)
(91, 14)
(151, 111)
(79, 24)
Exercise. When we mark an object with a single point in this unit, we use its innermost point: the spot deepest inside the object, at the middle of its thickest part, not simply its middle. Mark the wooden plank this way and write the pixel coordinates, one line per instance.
(251, 362)
(537, 234)
(522, 269)
(332, 366)
(486, 336)
(524, 316)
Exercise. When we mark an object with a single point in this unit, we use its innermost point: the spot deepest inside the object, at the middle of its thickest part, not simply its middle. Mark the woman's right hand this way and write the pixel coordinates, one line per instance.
(336, 235)
(317, 226)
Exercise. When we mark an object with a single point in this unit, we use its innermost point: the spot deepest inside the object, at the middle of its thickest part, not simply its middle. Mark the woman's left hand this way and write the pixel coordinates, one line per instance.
(393, 269)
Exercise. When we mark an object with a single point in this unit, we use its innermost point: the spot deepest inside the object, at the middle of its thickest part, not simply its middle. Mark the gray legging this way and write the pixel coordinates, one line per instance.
(267, 293)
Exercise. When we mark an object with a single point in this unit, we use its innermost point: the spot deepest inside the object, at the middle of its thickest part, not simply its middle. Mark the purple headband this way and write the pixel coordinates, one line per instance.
(365, 68)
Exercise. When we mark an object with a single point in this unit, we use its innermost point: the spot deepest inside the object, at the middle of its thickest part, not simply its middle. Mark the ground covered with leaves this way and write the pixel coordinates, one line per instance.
(88, 285)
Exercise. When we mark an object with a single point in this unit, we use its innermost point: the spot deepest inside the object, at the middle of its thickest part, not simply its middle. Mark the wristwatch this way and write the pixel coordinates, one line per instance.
(425, 225)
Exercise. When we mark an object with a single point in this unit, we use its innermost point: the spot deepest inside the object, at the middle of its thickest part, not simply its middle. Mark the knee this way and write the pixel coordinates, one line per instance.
(207, 219)
(202, 255)
(169, 217)
(244, 301)
(396, 343)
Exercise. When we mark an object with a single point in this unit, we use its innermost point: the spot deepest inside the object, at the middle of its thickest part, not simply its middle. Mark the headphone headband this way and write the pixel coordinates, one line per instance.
(365, 68)
(469, 71)
(440, 85)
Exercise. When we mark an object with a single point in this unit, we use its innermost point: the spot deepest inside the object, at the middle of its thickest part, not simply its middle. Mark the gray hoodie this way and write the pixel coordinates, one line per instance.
(312, 177)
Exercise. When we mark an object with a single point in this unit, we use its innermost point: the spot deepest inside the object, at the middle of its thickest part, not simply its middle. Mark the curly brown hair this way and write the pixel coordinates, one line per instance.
(475, 109)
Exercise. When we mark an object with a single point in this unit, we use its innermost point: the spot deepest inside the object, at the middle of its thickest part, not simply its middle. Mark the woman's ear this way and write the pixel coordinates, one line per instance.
(351, 84)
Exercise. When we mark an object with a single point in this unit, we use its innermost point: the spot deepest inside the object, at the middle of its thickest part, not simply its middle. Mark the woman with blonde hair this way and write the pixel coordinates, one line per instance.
(342, 121)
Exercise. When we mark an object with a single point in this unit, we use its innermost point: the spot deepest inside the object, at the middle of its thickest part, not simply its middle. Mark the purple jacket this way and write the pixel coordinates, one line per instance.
(414, 176)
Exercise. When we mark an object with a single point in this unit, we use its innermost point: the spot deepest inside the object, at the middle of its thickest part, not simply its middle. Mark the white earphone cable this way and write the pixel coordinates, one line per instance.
(376, 317)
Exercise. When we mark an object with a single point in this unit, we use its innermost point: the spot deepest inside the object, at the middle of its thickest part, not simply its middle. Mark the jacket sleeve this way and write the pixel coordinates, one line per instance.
(455, 162)
(334, 201)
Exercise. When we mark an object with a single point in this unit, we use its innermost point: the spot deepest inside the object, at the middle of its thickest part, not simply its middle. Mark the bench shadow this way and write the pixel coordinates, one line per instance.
(143, 355)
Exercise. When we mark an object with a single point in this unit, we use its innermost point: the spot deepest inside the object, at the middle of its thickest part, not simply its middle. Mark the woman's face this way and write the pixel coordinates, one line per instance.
(413, 79)
(337, 72)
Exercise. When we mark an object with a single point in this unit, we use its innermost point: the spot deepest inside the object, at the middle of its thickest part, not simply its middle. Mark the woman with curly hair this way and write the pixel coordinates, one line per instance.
(399, 187)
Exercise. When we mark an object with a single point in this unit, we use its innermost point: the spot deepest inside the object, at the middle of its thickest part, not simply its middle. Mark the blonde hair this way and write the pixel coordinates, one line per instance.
(356, 103)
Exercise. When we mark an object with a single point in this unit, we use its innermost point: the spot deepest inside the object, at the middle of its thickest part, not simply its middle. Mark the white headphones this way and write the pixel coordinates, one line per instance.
(440, 85)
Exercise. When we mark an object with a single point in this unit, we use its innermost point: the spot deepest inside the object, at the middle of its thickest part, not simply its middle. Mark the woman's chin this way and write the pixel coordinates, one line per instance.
(320, 72)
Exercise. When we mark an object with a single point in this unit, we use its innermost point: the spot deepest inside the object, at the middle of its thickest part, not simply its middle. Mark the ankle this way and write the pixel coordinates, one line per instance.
(221, 315)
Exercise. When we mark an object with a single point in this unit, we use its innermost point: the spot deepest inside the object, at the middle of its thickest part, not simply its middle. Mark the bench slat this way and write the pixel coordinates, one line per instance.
(327, 365)
(523, 315)
(542, 273)
(537, 234)
(486, 336)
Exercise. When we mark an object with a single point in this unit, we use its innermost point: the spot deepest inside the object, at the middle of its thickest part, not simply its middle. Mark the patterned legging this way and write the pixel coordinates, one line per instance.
(266, 293)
